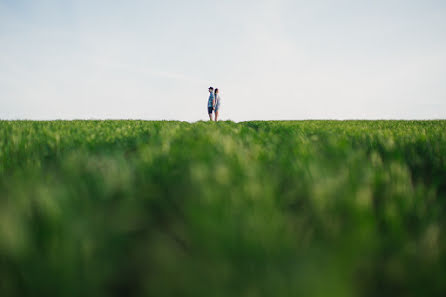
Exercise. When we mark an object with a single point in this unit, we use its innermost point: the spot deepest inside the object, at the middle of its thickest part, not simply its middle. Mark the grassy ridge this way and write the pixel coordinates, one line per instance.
(311, 208)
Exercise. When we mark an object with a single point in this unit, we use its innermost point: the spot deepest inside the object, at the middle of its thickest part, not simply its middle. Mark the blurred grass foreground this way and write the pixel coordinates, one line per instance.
(306, 208)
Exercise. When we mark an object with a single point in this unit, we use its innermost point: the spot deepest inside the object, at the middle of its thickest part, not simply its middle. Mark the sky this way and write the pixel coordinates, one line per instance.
(271, 59)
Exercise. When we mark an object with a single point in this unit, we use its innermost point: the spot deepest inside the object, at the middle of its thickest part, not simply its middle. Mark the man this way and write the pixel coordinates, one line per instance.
(211, 102)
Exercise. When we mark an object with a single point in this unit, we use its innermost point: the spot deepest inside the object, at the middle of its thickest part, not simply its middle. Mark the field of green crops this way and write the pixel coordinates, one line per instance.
(305, 208)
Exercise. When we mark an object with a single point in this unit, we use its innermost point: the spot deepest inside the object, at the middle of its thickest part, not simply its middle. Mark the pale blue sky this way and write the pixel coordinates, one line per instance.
(281, 59)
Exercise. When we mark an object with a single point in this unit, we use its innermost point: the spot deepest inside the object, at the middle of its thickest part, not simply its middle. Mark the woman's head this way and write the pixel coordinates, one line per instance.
(216, 91)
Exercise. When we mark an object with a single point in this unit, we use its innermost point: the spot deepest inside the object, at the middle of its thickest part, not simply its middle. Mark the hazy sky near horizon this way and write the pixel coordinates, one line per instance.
(271, 59)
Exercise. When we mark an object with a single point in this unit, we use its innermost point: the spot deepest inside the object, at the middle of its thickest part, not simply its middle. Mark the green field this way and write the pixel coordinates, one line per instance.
(295, 208)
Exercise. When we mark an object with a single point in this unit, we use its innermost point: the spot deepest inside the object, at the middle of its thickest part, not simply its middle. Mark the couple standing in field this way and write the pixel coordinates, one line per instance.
(213, 103)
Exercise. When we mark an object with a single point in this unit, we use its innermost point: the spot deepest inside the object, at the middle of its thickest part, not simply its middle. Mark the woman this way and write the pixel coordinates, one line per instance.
(217, 103)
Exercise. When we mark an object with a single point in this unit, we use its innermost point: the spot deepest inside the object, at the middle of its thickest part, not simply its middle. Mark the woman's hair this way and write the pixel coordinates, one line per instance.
(216, 91)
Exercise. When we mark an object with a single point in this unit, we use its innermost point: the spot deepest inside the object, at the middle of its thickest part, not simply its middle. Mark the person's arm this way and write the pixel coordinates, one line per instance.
(213, 102)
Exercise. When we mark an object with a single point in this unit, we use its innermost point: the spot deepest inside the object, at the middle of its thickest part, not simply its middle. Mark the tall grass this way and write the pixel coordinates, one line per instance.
(310, 208)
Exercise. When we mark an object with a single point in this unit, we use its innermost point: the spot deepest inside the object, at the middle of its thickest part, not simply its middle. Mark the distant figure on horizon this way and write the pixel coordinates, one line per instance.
(211, 102)
(217, 103)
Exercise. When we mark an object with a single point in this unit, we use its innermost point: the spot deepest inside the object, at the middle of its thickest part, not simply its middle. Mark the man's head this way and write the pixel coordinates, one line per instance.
(211, 89)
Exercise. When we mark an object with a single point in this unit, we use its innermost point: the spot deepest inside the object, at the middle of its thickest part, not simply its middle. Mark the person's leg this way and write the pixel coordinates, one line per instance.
(210, 113)
(216, 115)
